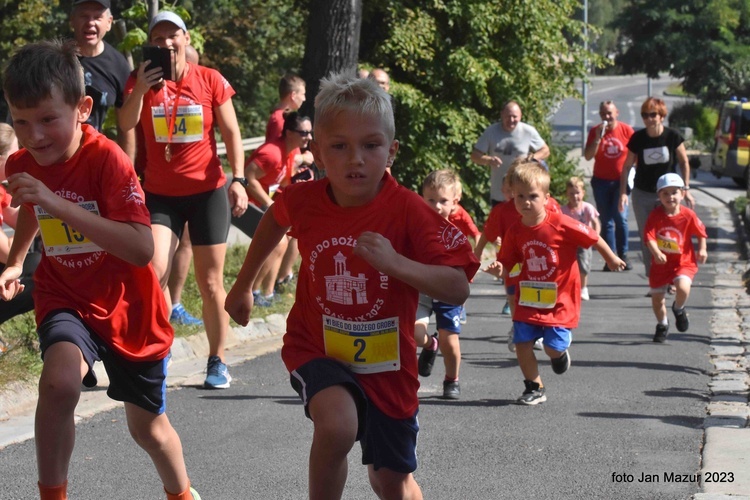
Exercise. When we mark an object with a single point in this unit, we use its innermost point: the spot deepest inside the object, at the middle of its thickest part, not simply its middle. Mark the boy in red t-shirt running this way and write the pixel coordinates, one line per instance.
(548, 299)
(97, 297)
(668, 234)
(368, 247)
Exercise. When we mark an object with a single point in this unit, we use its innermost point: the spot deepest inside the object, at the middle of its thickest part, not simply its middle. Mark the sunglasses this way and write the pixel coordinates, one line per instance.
(652, 114)
(303, 133)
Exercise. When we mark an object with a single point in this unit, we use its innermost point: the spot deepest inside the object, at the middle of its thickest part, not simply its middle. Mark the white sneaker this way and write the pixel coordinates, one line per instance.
(584, 293)
(511, 345)
(539, 345)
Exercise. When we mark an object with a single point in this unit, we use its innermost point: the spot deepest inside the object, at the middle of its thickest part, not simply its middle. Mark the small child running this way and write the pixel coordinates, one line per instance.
(97, 297)
(368, 247)
(548, 298)
(441, 190)
(585, 213)
(668, 234)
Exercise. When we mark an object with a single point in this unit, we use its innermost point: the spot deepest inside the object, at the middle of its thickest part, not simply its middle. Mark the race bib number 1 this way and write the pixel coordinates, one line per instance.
(61, 239)
(539, 294)
(364, 346)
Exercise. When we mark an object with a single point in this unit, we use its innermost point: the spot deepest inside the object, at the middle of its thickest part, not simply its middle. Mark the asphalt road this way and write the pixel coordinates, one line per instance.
(627, 406)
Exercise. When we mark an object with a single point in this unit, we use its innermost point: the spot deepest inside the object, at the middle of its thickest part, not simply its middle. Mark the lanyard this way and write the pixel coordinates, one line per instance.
(171, 120)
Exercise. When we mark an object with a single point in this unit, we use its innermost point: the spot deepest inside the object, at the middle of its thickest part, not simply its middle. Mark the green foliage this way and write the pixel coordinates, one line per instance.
(561, 168)
(706, 43)
(453, 64)
(702, 119)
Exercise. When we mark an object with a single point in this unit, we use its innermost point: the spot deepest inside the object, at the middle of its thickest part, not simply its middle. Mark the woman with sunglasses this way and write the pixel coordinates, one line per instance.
(654, 151)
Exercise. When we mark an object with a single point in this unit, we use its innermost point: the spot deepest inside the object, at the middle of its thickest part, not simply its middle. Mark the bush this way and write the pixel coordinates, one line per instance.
(702, 119)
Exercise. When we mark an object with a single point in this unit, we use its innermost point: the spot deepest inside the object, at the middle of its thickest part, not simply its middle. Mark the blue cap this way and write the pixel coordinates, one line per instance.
(167, 16)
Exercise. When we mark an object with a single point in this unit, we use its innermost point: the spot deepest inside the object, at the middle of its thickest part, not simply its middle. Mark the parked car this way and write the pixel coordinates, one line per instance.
(731, 153)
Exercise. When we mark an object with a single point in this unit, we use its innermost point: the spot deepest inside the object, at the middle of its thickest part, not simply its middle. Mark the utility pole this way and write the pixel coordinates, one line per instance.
(585, 90)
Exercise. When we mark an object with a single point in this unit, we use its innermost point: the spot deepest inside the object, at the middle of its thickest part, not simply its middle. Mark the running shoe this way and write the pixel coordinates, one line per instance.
(506, 309)
(462, 315)
(681, 319)
(511, 344)
(217, 374)
(261, 301)
(180, 316)
(195, 494)
(661, 333)
(560, 365)
(584, 293)
(451, 389)
(533, 395)
(539, 344)
(427, 358)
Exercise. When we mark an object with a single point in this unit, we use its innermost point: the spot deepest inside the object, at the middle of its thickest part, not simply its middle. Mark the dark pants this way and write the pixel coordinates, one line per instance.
(614, 223)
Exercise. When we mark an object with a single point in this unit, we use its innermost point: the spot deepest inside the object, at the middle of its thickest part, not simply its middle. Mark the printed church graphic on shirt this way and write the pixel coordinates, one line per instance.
(342, 287)
(534, 263)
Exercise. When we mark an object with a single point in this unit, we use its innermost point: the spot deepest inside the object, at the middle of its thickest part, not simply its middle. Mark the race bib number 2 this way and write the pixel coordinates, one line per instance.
(364, 346)
(61, 239)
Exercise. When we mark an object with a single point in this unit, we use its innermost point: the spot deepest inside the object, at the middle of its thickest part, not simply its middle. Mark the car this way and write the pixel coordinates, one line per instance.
(731, 153)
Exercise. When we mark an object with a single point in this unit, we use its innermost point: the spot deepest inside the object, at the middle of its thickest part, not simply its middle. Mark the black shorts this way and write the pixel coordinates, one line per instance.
(143, 384)
(207, 215)
(385, 441)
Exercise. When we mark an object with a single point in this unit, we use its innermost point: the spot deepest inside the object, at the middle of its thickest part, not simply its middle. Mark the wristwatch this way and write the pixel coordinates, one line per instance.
(241, 180)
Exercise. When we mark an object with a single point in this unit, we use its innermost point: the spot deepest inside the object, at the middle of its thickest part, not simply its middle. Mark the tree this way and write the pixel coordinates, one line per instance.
(332, 44)
(705, 43)
(453, 65)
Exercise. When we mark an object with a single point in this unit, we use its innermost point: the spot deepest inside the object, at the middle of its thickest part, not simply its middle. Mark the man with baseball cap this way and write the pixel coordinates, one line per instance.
(105, 69)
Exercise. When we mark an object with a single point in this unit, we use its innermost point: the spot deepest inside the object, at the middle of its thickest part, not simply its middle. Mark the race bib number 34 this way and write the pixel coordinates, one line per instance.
(364, 346)
(61, 239)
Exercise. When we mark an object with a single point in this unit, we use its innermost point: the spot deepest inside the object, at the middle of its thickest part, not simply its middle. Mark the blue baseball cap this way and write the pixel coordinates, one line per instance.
(167, 16)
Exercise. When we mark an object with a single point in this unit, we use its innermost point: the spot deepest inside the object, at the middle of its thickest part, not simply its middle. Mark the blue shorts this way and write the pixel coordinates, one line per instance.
(554, 337)
(207, 215)
(447, 316)
(143, 384)
(385, 441)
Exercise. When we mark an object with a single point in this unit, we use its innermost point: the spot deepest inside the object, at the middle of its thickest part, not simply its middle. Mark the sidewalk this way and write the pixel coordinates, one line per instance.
(726, 438)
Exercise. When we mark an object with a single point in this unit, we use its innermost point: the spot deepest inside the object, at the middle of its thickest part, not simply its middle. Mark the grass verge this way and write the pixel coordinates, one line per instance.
(19, 346)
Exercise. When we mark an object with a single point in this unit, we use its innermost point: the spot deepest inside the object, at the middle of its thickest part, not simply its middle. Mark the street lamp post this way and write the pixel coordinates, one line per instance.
(585, 93)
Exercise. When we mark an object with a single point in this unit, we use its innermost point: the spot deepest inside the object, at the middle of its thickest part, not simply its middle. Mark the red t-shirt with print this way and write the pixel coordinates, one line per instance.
(337, 289)
(276, 166)
(674, 236)
(613, 150)
(275, 125)
(463, 221)
(547, 252)
(195, 167)
(122, 303)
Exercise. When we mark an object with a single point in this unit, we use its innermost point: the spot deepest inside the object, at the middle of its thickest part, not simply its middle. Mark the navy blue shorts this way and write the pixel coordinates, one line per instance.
(385, 441)
(207, 215)
(143, 384)
(447, 316)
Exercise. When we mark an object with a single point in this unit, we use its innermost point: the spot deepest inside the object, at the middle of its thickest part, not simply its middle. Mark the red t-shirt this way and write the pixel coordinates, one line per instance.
(335, 286)
(276, 166)
(122, 303)
(5, 200)
(673, 235)
(548, 254)
(463, 221)
(195, 167)
(275, 125)
(612, 152)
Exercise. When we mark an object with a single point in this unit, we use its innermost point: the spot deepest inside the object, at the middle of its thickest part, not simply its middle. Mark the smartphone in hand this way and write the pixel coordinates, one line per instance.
(160, 57)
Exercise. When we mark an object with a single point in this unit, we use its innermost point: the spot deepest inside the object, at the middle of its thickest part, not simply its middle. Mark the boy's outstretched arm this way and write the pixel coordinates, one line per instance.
(444, 283)
(26, 229)
(239, 302)
(129, 241)
(614, 263)
(702, 252)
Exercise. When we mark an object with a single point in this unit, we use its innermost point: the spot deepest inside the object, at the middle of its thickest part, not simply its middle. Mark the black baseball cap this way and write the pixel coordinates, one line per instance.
(103, 3)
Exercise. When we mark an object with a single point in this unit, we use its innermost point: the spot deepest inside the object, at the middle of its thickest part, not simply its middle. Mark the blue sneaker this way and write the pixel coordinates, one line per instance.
(462, 316)
(506, 309)
(217, 374)
(180, 316)
(261, 301)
